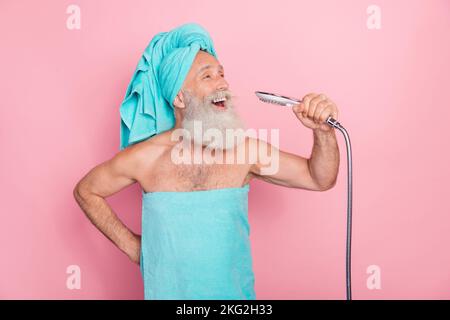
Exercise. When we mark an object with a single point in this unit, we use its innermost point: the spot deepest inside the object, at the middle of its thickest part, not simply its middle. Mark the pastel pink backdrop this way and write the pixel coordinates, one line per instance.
(61, 91)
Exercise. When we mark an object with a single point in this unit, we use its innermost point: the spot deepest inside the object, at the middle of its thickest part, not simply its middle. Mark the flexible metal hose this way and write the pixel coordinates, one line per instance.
(348, 255)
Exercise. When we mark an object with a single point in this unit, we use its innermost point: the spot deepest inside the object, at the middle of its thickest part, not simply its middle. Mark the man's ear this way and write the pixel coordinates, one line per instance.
(179, 102)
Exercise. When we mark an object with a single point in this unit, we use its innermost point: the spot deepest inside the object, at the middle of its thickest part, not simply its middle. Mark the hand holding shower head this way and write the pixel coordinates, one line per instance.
(288, 102)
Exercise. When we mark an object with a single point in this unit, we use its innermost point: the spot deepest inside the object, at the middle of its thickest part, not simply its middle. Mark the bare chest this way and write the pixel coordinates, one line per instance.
(169, 176)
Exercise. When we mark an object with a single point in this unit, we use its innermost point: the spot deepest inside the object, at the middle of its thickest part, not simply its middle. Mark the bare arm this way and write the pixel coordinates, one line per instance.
(320, 171)
(317, 173)
(324, 160)
(100, 182)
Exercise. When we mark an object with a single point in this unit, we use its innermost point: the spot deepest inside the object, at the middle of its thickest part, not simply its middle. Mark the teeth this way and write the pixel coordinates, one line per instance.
(218, 100)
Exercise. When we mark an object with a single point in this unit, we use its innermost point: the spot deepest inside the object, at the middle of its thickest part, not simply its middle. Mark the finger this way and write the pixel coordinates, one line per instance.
(306, 100)
(306, 121)
(326, 112)
(313, 104)
(301, 115)
(319, 109)
(336, 115)
(298, 107)
(309, 96)
(303, 118)
(334, 111)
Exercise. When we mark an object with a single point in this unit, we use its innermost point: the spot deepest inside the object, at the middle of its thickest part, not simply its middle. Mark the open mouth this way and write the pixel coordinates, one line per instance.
(220, 103)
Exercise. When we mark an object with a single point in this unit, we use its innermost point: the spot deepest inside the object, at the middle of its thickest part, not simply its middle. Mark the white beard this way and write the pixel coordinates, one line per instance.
(204, 114)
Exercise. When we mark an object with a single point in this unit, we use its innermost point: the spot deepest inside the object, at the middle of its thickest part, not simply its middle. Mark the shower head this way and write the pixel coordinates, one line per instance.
(288, 102)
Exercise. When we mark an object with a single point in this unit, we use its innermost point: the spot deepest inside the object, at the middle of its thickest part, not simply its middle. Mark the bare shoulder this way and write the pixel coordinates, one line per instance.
(140, 157)
(123, 169)
(256, 146)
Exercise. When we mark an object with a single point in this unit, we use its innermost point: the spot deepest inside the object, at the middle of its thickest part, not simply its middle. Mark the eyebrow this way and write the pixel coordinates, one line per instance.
(207, 67)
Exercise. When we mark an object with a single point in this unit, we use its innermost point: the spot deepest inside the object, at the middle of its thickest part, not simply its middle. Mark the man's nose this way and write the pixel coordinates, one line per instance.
(222, 85)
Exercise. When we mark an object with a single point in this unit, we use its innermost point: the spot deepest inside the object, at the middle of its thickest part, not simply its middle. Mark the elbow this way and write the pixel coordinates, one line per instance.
(79, 192)
(327, 187)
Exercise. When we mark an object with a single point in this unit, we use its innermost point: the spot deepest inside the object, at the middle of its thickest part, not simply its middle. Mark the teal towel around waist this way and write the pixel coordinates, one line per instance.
(195, 245)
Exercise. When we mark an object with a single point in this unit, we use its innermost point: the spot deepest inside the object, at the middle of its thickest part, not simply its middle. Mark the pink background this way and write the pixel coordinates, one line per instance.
(61, 91)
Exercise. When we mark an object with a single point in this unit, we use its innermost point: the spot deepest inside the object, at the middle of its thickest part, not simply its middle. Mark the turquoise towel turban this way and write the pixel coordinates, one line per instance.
(147, 108)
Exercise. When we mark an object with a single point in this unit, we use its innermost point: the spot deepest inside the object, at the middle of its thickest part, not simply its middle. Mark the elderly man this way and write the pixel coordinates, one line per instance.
(195, 232)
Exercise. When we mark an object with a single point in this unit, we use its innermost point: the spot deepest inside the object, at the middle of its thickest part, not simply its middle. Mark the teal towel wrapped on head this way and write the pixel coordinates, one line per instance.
(147, 108)
(195, 245)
